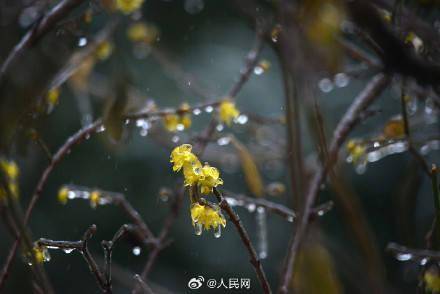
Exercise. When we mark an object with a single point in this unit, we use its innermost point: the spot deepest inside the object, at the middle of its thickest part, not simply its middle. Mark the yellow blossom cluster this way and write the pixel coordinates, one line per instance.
(205, 177)
(177, 122)
(142, 32)
(431, 279)
(128, 6)
(208, 217)
(41, 254)
(9, 171)
(64, 194)
(227, 111)
(356, 150)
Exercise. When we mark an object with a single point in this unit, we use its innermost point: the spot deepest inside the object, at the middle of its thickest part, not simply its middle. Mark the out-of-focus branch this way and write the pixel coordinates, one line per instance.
(255, 261)
(38, 30)
(414, 254)
(373, 89)
(146, 289)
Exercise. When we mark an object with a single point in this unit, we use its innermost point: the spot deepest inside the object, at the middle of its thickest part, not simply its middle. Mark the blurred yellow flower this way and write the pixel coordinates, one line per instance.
(128, 6)
(171, 121)
(356, 150)
(104, 50)
(142, 32)
(53, 96)
(95, 197)
(207, 216)
(228, 111)
(63, 194)
(10, 169)
(209, 179)
(432, 280)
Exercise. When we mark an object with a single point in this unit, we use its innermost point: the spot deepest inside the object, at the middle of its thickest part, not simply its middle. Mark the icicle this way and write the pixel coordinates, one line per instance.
(261, 232)
(198, 228)
(218, 231)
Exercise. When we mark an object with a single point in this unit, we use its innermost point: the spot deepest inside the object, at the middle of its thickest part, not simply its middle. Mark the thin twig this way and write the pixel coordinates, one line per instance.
(373, 89)
(147, 289)
(46, 24)
(255, 261)
(416, 254)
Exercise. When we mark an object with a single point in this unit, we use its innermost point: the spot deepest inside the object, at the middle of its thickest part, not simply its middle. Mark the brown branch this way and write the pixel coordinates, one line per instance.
(373, 89)
(38, 30)
(416, 254)
(235, 219)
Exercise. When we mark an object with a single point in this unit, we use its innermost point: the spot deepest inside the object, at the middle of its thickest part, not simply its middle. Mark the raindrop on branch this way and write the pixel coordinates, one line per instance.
(136, 250)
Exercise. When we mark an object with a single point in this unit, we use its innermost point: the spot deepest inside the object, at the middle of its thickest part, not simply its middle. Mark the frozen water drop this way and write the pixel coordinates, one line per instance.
(251, 207)
(209, 109)
(218, 231)
(100, 129)
(341, 80)
(198, 228)
(325, 85)
(175, 139)
(223, 141)
(136, 250)
(82, 42)
(290, 219)
(404, 256)
(258, 70)
(219, 127)
(68, 250)
(197, 111)
(242, 119)
(180, 127)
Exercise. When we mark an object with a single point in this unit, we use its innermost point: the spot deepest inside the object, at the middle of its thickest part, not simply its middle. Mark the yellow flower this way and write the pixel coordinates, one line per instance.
(432, 280)
(180, 155)
(210, 178)
(41, 254)
(228, 111)
(95, 197)
(63, 194)
(185, 116)
(356, 150)
(394, 128)
(171, 121)
(104, 50)
(53, 96)
(207, 216)
(128, 6)
(192, 171)
(142, 32)
(10, 168)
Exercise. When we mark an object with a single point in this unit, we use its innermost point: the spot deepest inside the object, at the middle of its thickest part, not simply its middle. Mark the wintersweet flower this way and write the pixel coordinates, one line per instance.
(181, 155)
(204, 216)
(95, 198)
(209, 179)
(171, 121)
(228, 111)
(63, 194)
(192, 171)
(9, 168)
(128, 6)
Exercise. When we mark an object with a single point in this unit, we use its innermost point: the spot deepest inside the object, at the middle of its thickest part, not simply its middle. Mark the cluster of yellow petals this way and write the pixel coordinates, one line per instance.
(356, 149)
(206, 177)
(432, 280)
(207, 216)
(142, 32)
(227, 111)
(177, 122)
(128, 6)
(104, 50)
(41, 254)
(10, 171)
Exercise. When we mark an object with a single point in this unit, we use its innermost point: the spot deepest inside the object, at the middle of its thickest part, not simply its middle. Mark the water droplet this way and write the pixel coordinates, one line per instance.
(68, 250)
(71, 195)
(100, 129)
(87, 136)
(209, 109)
(251, 207)
(219, 127)
(258, 70)
(424, 261)
(180, 127)
(175, 139)
(136, 250)
(218, 231)
(197, 111)
(361, 168)
(341, 80)
(290, 218)
(198, 229)
(325, 85)
(224, 141)
(28, 16)
(404, 256)
(143, 132)
(321, 212)
(82, 42)
(242, 119)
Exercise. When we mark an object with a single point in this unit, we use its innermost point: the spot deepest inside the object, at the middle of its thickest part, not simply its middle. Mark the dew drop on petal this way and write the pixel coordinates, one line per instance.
(218, 231)
(198, 228)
